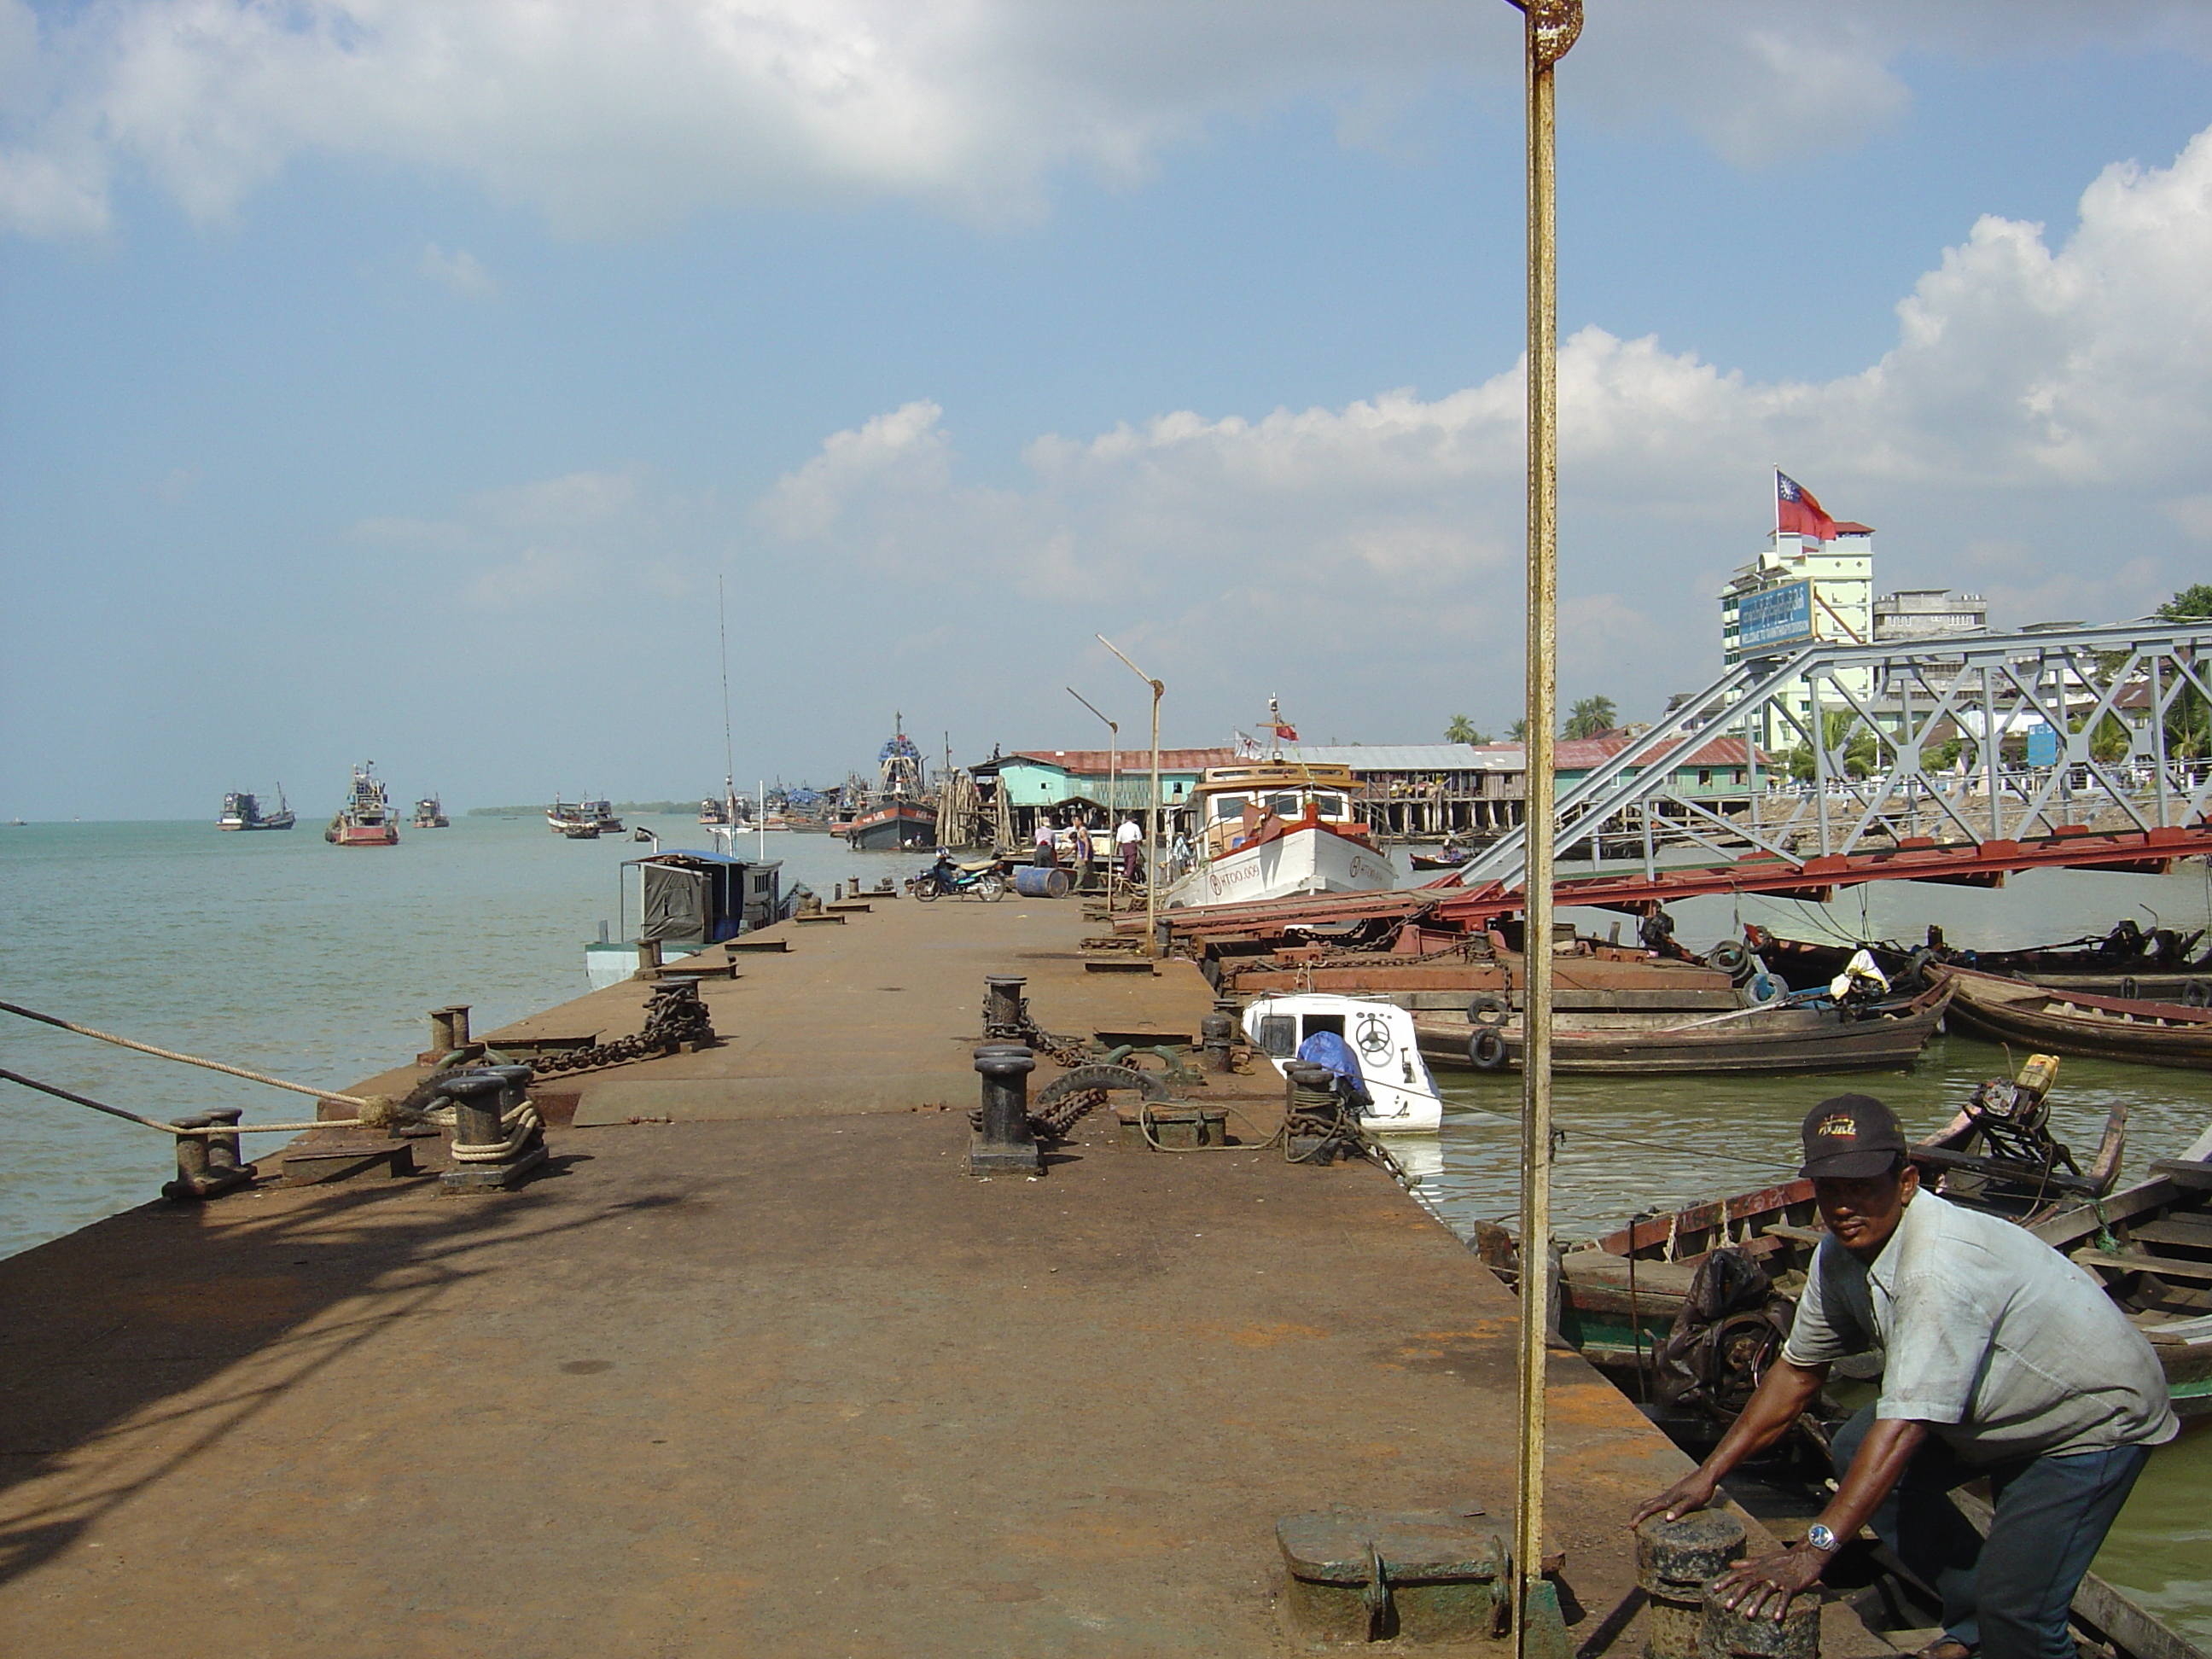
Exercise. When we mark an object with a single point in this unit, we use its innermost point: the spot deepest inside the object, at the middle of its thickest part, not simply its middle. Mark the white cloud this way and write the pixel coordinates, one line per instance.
(605, 116)
(2078, 377)
(460, 272)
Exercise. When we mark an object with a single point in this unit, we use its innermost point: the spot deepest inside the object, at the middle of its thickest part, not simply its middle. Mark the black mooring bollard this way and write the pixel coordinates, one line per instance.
(1217, 1035)
(199, 1176)
(1004, 1146)
(481, 1161)
(1002, 1006)
(1729, 1635)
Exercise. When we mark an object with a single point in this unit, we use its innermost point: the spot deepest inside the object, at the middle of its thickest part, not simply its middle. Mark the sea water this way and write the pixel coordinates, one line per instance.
(276, 951)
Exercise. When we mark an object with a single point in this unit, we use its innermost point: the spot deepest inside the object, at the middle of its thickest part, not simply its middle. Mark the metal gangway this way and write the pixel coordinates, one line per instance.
(2150, 680)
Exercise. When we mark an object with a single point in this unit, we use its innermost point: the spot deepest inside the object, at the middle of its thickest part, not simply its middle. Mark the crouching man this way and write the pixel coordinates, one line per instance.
(2003, 1360)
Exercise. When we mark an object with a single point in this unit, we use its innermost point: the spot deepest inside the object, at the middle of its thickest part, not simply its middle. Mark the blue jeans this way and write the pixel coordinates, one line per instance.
(2008, 1596)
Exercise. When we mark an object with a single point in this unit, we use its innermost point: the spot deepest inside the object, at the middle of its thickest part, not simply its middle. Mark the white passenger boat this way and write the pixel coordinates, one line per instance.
(1275, 828)
(1403, 1096)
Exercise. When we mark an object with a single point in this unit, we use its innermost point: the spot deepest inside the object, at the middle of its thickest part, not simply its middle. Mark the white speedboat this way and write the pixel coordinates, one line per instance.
(1403, 1098)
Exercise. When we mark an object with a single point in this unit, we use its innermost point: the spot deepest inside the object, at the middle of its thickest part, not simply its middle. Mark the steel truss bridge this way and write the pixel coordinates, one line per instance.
(1878, 805)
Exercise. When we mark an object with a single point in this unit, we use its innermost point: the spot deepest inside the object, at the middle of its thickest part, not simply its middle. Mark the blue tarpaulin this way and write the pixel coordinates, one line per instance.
(1327, 1048)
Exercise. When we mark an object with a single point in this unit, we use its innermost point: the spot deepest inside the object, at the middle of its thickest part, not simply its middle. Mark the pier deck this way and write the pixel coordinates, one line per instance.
(791, 1385)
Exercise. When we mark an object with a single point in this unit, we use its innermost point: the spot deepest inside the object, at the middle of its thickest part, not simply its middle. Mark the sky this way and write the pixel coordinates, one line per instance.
(413, 379)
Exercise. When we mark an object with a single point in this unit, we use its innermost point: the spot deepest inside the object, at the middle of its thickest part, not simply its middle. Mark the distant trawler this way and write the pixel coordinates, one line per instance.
(242, 810)
(365, 820)
(585, 820)
(430, 814)
(897, 819)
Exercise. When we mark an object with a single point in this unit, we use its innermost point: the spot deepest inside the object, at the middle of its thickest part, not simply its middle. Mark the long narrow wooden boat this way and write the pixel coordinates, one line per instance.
(2126, 962)
(2077, 1022)
(1887, 1035)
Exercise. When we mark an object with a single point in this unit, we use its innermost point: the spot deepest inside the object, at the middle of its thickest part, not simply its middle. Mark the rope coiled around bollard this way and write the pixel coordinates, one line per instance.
(523, 1126)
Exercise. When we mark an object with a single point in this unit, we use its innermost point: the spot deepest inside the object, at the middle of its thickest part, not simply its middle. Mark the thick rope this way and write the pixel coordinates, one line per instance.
(378, 1111)
(171, 1053)
(523, 1125)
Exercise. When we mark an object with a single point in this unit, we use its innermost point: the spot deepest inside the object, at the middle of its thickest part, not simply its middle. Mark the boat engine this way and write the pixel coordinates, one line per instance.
(1732, 1325)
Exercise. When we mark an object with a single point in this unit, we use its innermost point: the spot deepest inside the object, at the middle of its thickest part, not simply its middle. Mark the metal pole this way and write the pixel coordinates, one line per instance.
(1152, 855)
(1552, 26)
(1113, 772)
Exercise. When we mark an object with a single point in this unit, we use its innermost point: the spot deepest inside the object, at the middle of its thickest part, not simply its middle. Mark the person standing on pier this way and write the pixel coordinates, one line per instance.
(2003, 1360)
(1079, 845)
(1127, 836)
(1045, 857)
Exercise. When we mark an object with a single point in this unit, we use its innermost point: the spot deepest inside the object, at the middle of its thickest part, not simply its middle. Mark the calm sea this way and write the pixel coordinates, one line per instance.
(276, 951)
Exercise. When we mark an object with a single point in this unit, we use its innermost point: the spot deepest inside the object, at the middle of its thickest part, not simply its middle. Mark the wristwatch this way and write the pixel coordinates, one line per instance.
(1821, 1539)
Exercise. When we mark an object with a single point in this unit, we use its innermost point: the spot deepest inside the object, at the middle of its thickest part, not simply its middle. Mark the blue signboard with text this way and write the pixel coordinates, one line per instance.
(1776, 618)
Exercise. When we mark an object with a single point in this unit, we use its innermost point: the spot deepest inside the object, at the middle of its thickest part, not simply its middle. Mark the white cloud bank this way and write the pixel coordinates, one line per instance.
(2040, 429)
(604, 115)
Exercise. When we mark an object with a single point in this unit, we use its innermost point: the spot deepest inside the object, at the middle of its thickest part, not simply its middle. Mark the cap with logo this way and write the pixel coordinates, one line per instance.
(1850, 1138)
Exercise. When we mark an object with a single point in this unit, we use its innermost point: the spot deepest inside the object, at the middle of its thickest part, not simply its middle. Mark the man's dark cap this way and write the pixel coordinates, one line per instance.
(1850, 1137)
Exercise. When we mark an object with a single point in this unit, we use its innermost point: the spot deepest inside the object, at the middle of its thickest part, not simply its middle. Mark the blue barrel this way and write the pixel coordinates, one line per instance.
(1035, 881)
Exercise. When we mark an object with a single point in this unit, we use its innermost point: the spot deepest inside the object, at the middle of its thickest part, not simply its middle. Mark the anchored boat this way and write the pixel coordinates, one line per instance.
(242, 810)
(1401, 1095)
(2076, 1023)
(900, 818)
(365, 820)
(430, 814)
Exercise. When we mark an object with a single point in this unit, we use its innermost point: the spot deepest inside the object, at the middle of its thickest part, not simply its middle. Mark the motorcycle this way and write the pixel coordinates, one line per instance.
(979, 877)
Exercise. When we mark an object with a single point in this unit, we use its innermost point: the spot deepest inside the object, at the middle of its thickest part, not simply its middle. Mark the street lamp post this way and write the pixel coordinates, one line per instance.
(1113, 770)
(1152, 813)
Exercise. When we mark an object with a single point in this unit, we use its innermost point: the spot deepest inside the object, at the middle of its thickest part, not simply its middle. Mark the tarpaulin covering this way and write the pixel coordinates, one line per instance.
(675, 903)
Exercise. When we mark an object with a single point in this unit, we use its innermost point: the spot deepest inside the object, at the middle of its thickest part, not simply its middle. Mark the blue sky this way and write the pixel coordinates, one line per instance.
(395, 379)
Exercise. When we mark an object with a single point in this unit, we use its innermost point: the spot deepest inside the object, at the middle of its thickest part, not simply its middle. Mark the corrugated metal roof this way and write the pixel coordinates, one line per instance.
(1089, 761)
(1406, 757)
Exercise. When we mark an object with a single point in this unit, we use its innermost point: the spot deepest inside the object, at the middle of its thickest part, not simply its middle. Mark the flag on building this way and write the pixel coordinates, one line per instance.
(1797, 511)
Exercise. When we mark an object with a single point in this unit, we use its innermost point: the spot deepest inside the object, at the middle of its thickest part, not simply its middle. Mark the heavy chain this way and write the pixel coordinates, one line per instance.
(1056, 1120)
(1066, 1052)
(673, 1017)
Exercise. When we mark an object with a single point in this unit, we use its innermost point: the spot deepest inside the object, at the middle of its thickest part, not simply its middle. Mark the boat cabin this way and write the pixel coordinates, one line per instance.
(1233, 802)
(696, 898)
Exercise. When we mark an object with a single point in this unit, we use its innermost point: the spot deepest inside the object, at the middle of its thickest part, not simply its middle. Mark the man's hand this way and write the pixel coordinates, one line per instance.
(1767, 1585)
(1692, 1492)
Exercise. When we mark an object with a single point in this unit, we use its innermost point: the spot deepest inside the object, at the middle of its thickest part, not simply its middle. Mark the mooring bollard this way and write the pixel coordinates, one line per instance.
(648, 958)
(199, 1175)
(449, 1030)
(1217, 1035)
(226, 1158)
(1313, 1114)
(1004, 1144)
(1674, 1562)
(1163, 938)
(487, 1154)
(1002, 1006)
(1729, 1635)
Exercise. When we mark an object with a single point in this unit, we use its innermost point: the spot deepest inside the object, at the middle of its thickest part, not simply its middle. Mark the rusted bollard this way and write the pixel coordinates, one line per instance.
(1674, 1562)
(1004, 1144)
(226, 1163)
(198, 1178)
(1002, 1006)
(449, 1030)
(1217, 1035)
(1727, 1635)
(648, 958)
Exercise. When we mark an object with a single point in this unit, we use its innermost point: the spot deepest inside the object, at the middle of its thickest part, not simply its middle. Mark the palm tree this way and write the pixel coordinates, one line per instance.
(1591, 716)
(1520, 730)
(2188, 718)
(1462, 730)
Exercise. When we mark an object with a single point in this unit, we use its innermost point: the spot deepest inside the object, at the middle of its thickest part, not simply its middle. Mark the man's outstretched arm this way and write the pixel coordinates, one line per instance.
(1785, 1390)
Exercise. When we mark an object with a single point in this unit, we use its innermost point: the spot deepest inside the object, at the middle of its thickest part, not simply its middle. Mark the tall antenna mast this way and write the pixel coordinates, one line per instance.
(729, 751)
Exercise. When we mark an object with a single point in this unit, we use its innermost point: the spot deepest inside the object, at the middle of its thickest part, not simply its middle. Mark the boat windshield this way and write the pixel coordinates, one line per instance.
(1228, 806)
(1330, 806)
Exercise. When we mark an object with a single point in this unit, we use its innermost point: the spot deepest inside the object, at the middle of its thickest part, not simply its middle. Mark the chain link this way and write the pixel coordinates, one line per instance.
(674, 1016)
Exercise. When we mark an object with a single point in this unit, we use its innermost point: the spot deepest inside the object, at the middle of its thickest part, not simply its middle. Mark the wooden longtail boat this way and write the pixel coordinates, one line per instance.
(1887, 1035)
(2077, 1022)
(2126, 962)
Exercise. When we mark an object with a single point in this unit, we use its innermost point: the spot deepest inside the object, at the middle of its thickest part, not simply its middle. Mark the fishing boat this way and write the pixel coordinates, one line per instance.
(366, 819)
(2126, 960)
(1274, 829)
(242, 810)
(430, 814)
(564, 816)
(900, 817)
(1401, 1094)
(1882, 1033)
(602, 814)
(2076, 1023)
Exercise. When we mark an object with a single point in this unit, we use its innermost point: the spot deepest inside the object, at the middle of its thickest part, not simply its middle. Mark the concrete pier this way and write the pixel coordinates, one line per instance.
(776, 1377)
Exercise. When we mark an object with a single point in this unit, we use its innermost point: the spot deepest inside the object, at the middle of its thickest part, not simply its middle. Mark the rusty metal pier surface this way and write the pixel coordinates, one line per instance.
(791, 1385)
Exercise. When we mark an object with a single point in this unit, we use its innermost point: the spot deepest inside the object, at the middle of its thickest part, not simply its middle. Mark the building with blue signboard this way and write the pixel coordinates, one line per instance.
(1796, 591)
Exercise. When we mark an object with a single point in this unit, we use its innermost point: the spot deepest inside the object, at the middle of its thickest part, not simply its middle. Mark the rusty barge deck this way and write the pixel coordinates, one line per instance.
(763, 1371)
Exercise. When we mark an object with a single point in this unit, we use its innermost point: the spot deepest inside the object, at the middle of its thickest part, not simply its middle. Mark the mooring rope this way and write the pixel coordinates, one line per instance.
(377, 1112)
(188, 1060)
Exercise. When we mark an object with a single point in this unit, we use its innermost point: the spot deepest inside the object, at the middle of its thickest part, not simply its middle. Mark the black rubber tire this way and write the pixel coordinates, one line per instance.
(1488, 1010)
(2196, 993)
(990, 889)
(1733, 957)
(925, 888)
(1486, 1050)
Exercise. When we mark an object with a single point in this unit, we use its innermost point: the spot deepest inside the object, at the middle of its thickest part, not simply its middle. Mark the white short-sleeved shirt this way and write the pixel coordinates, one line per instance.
(1993, 1339)
(1128, 832)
